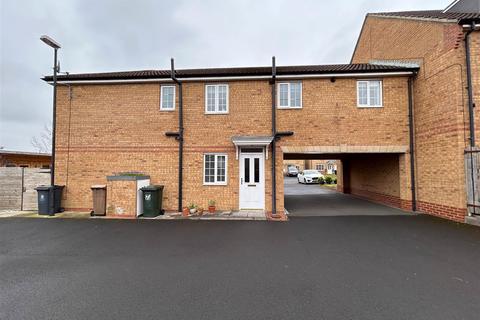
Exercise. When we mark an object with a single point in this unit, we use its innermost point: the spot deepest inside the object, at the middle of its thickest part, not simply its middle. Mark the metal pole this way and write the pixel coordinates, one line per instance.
(469, 86)
(470, 110)
(52, 160)
(180, 135)
(412, 143)
(274, 133)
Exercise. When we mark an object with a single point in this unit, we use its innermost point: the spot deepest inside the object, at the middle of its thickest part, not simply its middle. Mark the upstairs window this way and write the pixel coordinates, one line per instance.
(216, 98)
(369, 93)
(289, 95)
(215, 169)
(167, 98)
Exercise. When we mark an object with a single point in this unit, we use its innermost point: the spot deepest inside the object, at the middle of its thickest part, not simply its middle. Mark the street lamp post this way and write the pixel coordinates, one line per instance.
(55, 45)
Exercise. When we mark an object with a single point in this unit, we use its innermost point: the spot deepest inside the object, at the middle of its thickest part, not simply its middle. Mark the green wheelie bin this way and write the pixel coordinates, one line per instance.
(152, 201)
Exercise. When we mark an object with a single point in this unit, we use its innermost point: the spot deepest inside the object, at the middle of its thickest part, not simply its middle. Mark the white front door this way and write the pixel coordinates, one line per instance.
(252, 181)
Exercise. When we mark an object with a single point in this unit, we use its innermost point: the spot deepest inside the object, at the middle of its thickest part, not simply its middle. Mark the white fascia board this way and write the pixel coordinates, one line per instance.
(293, 76)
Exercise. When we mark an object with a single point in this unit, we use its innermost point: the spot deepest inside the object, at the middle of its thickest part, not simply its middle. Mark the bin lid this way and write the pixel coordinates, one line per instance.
(152, 188)
(98, 186)
(43, 188)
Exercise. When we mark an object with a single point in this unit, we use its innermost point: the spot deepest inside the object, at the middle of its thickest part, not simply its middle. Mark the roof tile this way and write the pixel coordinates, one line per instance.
(235, 72)
(430, 14)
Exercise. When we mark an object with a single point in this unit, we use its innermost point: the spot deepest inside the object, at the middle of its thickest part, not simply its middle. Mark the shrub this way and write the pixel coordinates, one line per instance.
(321, 180)
(335, 181)
(328, 180)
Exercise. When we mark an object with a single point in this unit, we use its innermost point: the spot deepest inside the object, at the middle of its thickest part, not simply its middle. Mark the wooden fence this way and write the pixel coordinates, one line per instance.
(17, 187)
(472, 165)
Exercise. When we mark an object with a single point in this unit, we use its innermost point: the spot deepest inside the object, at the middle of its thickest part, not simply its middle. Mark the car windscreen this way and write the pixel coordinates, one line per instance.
(310, 172)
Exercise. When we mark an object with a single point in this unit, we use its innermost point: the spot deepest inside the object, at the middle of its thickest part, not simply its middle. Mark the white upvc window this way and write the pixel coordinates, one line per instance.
(216, 98)
(167, 98)
(369, 93)
(320, 167)
(215, 169)
(289, 95)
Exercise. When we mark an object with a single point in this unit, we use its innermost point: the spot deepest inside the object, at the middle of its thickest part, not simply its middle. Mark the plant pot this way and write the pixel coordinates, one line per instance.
(200, 211)
(211, 209)
(185, 212)
(193, 210)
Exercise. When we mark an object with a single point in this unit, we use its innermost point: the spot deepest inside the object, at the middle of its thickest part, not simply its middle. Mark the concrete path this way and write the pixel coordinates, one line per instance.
(313, 200)
(335, 268)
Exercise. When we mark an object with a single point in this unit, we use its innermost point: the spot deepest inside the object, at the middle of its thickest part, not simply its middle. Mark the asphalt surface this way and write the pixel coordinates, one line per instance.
(313, 200)
(370, 267)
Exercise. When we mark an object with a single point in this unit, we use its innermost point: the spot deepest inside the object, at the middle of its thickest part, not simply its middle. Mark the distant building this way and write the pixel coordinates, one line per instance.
(324, 166)
(24, 159)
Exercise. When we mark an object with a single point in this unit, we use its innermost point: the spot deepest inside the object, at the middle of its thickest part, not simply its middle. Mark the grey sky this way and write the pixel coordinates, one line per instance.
(113, 35)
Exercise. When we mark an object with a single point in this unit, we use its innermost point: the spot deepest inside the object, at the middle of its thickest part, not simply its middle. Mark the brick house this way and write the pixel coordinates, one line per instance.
(129, 121)
(24, 159)
(223, 134)
(324, 166)
(436, 41)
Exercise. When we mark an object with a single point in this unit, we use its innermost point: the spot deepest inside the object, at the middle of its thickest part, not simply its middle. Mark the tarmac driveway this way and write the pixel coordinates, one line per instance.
(335, 268)
(313, 200)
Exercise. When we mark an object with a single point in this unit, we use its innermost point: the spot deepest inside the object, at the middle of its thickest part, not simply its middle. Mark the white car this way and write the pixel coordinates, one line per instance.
(309, 176)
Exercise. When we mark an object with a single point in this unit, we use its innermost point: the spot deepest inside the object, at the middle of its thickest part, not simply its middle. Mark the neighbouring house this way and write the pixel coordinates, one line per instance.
(445, 90)
(24, 159)
(324, 166)
(223, 134)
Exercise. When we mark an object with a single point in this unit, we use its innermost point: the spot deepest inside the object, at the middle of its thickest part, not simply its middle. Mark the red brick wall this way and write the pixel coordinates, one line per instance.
(31, 161)
(441, 116)
(105, 129)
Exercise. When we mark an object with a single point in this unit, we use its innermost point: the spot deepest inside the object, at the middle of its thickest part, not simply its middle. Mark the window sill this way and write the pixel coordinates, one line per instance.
(167, 110)
(215, 184)
(369, 107)
(210, 112)
(287, 108)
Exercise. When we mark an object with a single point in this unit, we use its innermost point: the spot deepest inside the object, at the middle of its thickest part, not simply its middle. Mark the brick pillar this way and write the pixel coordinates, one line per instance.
(307, 164)
(343, 176)
(404, 180)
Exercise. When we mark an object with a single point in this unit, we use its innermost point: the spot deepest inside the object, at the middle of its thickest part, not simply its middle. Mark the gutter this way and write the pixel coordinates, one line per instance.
(231, 78)
(412, 143)
(178, 135)
(469, 28)
(471, 104)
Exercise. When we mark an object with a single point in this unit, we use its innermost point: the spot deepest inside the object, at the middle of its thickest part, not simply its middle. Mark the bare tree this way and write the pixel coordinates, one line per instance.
(43, 142)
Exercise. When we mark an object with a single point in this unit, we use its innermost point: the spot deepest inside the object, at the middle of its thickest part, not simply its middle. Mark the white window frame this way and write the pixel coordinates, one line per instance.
(216, 98)
(289, 106)
(368, 105)
(322, 166)
(161, 97)
(216, 183)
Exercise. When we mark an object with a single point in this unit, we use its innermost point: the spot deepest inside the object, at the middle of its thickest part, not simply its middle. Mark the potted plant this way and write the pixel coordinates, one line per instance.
(185, 211)
(193, 208)
(200, 211)
(211, 206)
